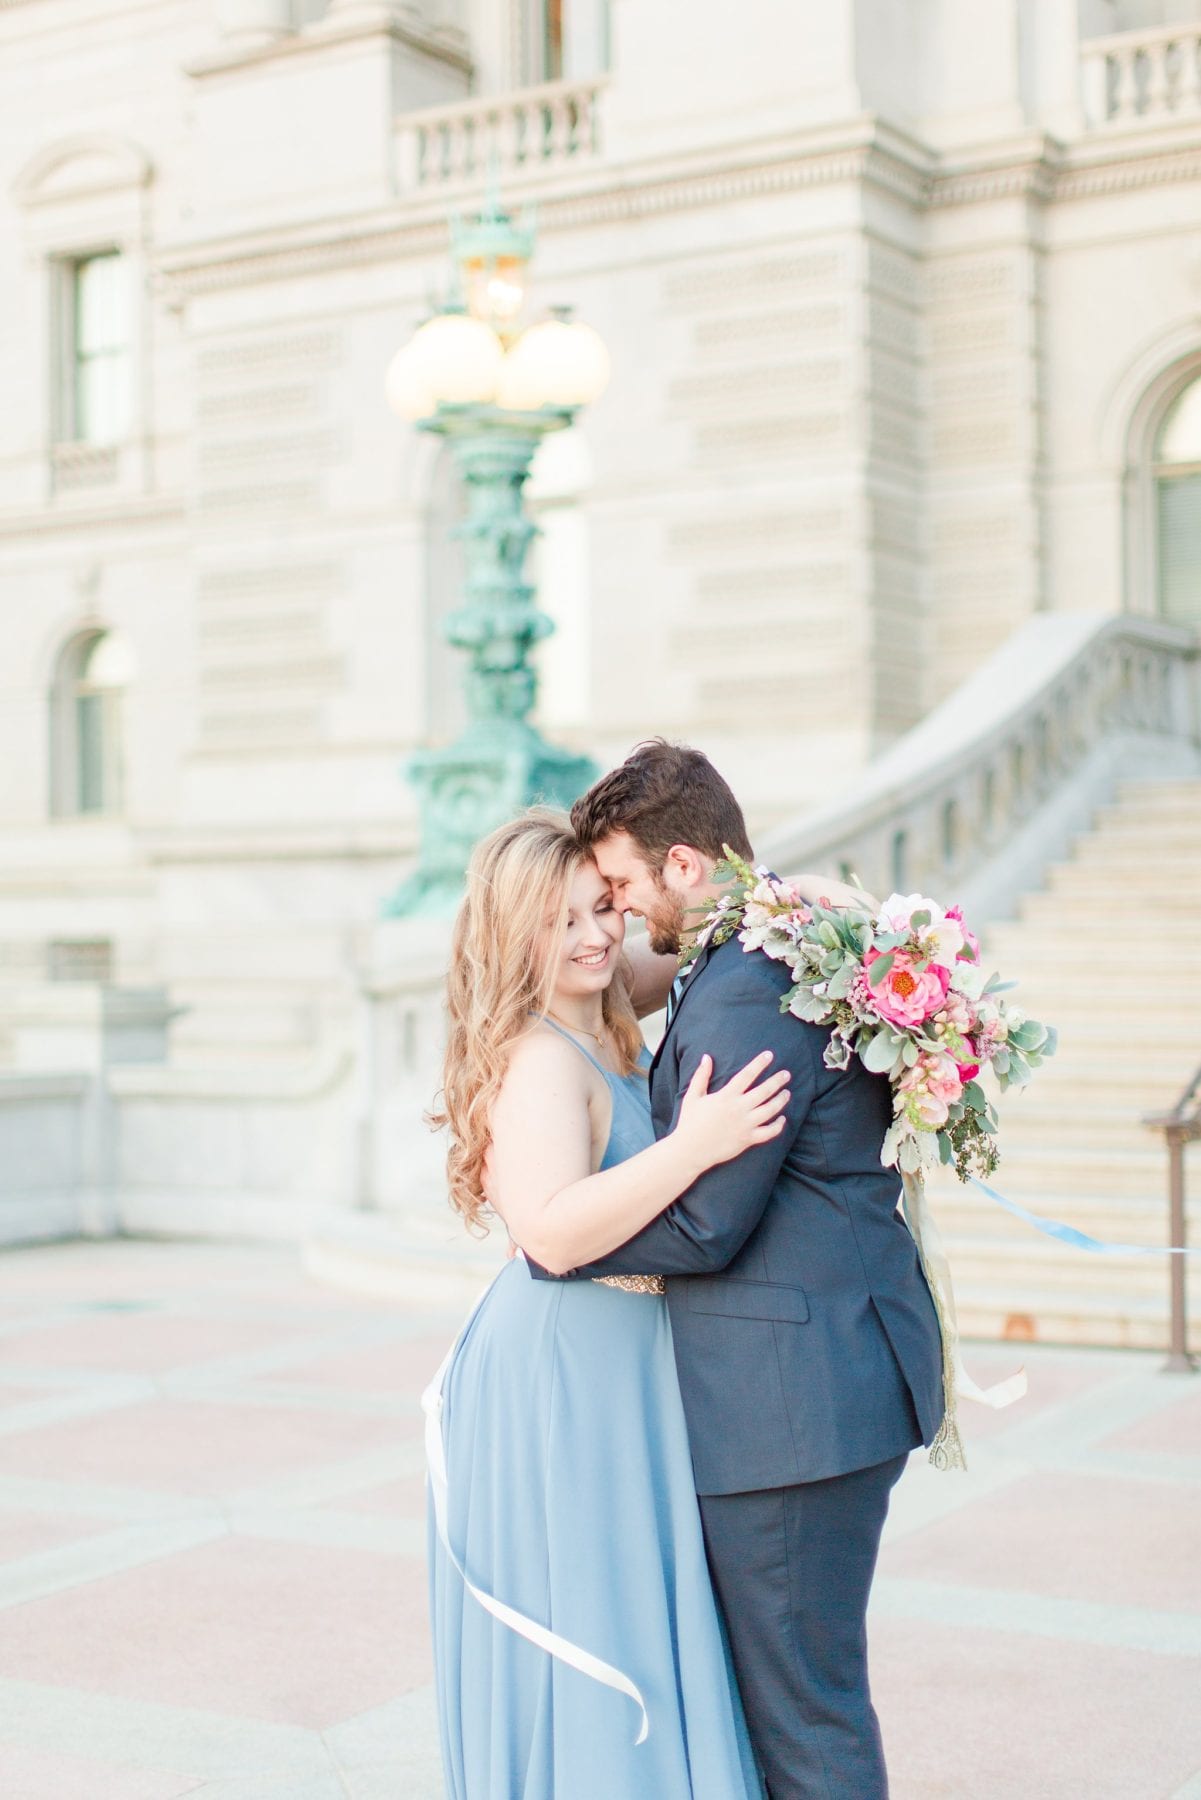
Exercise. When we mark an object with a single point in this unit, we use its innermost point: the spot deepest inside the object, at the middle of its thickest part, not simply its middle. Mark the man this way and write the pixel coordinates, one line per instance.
(807, 1344)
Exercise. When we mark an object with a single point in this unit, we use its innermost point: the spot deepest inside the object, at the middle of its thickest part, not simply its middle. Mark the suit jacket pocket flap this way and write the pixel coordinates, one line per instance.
(748, 1299)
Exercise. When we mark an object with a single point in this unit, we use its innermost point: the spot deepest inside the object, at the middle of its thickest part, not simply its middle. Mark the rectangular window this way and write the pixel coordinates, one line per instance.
(552, 40)
(96, 402)
(566, 40)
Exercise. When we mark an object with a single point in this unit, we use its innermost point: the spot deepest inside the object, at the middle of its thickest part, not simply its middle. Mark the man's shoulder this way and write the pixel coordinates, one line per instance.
(735, 970)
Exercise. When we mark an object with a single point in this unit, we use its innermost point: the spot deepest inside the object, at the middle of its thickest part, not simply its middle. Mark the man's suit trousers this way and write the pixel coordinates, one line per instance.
(793, 1568)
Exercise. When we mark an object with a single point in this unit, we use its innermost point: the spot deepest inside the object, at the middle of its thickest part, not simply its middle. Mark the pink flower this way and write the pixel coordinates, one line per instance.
(971, 943)
(907, 996)
(929, 1090)
(968, 1071)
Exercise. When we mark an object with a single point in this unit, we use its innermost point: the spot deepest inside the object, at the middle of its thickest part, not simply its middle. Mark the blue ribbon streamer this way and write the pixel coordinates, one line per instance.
(1080, 1240)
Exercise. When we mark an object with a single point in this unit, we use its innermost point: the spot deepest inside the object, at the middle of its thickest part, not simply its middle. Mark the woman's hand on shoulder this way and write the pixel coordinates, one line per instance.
(748, 1110)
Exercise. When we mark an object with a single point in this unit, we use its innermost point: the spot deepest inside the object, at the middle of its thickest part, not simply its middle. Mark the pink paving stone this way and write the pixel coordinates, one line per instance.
(282, 1633)
(984, 1715)
(1068, 1537)
(126, 1270)
(44, 1775)
(1175, 1429)
(11, 1395)
(1050, 1384)
(143, 1342)
(25, 1534)
(404, 1367)
(195, 1447)
(398, 1499)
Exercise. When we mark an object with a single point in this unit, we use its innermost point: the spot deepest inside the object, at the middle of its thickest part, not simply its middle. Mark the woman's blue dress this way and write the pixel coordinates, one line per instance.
(570, 1498)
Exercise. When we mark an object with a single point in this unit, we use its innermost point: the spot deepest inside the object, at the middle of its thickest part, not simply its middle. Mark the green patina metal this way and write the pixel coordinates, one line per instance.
(501, 763)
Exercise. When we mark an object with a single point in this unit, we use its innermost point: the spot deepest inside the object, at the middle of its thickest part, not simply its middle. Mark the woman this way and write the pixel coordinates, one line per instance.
(578, 1651)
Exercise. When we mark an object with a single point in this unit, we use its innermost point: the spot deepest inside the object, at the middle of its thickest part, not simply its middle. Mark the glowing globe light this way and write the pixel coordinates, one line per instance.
(453, 360)
(558, 363)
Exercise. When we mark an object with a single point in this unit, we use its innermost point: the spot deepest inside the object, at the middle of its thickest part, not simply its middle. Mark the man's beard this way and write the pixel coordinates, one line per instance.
(666, 925)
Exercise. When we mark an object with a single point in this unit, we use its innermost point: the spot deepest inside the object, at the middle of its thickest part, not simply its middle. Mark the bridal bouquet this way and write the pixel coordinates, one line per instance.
(905, 992)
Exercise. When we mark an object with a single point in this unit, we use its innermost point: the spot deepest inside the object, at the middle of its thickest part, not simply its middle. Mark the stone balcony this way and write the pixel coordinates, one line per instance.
(1134, 79)
(502, 137)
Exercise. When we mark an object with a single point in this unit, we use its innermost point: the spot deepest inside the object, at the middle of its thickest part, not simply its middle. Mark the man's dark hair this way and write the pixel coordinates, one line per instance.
(663, 794)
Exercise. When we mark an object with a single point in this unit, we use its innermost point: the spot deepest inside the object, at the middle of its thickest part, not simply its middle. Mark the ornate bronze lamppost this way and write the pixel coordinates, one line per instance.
(493, 390)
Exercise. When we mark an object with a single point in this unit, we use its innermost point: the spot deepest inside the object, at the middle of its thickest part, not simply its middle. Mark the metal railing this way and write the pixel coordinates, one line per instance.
(1181, 1126)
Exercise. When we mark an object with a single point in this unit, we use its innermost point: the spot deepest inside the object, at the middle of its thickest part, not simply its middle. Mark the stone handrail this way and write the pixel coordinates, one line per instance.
(499, 138)
(1142, 77)
(974, 802)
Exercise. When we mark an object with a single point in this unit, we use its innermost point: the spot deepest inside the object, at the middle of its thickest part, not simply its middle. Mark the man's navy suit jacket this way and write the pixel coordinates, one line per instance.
(805, 1335)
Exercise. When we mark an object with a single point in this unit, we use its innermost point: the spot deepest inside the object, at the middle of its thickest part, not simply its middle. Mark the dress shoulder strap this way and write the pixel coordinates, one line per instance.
(596, 1063)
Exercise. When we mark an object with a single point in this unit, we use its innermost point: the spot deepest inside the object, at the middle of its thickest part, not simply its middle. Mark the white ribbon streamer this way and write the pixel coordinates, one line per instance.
(957, 1383)
(572, 1654)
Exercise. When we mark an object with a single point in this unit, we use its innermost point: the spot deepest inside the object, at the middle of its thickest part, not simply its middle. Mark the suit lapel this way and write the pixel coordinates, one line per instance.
(695, 975)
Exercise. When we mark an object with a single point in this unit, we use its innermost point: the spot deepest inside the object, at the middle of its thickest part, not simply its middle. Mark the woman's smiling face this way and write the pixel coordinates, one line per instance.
(593, 937)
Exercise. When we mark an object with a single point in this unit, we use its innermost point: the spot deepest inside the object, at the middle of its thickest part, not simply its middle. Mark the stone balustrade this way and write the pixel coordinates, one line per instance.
(1142, 77)
(500, 138)
(978, 799)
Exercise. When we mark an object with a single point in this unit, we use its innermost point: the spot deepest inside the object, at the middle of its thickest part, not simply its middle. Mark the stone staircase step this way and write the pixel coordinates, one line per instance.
(1043, 1132)
(1134, 887)
(1081, 956)
(1070, 1090)
(1046, 1316)
(1089, 1173)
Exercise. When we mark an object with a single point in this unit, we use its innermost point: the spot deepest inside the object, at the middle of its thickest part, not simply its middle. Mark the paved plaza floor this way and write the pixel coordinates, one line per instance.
(211, 1553)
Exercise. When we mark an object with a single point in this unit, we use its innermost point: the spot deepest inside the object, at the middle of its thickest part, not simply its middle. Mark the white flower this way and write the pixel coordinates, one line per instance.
(941, 939)
(969, 978)
(898, 909)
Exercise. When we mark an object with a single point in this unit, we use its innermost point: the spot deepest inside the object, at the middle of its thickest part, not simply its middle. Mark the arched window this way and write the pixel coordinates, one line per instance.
(93, 673)
(1177, 476)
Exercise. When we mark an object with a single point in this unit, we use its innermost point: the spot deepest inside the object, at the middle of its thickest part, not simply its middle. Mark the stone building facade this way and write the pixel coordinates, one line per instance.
(903, 299)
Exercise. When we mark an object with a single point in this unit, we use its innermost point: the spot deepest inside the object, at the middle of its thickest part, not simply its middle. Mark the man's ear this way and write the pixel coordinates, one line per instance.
(690, 868)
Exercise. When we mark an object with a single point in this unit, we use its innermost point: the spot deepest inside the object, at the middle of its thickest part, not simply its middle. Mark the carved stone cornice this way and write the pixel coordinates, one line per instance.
(440, 44)
(1035, 167)
(599, 195)
(1118, 174)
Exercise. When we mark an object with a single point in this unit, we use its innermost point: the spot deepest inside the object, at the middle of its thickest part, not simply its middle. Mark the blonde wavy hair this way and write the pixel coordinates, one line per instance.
(501, 980)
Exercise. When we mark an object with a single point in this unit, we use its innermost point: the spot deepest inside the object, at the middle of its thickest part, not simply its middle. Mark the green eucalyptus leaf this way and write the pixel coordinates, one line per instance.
(880, 969)
(881, 1053)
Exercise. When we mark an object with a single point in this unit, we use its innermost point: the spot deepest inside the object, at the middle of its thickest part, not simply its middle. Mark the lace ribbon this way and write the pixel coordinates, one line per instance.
(572, 1654)
(946, 1452)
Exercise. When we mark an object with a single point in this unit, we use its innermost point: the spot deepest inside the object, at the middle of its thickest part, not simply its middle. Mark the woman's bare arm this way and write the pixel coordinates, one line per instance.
(540, 1177)
(838, 893)
(651, 975)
